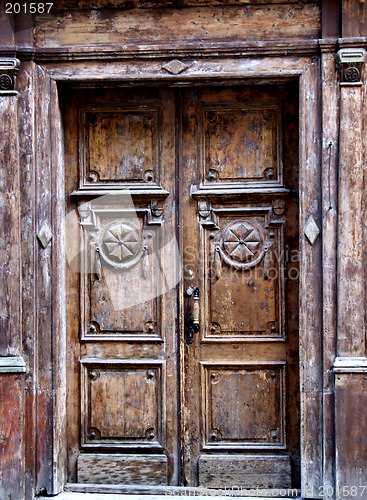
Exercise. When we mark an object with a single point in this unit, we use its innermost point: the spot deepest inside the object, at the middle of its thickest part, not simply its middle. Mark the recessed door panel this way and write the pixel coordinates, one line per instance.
(120, 144)
(243, 258)
(244, 406)
(241, 142)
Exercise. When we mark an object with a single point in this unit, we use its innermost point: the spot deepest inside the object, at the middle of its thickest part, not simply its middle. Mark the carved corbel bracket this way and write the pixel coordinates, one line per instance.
(87, 216)
(154, 214)
(351, 61)
(8, 70)
(207, 217)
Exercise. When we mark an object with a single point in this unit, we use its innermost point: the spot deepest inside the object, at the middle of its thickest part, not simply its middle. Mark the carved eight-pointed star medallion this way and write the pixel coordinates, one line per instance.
(242, 241)
(121, 242)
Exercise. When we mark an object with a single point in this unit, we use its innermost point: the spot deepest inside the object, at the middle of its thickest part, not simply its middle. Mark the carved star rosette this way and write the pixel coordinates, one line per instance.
(242, 245)
(121, 246)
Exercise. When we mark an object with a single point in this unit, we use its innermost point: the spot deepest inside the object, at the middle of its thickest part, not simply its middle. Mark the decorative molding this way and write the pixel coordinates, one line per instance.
(350, 365)
(212, 49)
(12, 364)
(8, 70)
(136, 192)
(229, 191)
(356, 41)
(351, 61)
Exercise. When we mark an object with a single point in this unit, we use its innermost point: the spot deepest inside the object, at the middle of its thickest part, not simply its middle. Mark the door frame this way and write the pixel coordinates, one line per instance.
(50, 205)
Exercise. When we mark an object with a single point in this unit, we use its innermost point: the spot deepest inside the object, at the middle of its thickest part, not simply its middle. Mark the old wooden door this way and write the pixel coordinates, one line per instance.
(182, 286)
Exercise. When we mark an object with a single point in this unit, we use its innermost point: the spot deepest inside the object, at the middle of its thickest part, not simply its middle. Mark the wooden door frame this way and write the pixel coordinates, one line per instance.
(209, 70)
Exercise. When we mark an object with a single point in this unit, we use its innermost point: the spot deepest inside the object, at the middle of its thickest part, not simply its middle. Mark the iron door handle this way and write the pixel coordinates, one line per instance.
(193, 321)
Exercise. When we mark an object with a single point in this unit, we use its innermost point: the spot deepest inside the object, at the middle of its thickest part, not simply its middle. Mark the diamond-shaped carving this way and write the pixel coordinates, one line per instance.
(175, 67)
(45, 234)
(311, 230)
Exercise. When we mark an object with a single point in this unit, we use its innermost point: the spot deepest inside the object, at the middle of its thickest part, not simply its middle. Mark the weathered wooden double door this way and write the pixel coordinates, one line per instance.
(182, 286)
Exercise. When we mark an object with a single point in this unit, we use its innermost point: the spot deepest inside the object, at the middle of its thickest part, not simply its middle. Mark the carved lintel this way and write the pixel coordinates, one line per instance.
(351, 61)
(8, 70)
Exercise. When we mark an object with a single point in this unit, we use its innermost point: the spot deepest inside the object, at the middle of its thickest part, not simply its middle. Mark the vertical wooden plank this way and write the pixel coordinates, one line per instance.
(351, 365)
(58, 333)
(23, 29)
(330, 147)
(25, 85)
(11, 387)
(362, 18)
(50, 290)
(350, 18)
(330, 21)
(310, 285)
(43, 271)
(9, 228)
(11, 427)
(7, 27)
(351, 297)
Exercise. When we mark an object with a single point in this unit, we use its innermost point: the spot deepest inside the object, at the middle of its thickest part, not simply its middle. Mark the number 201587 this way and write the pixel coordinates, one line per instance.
(31, 8)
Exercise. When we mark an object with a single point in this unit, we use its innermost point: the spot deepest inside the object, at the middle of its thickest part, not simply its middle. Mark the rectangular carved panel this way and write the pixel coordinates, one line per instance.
(351, 425)
(244, 471)
(244, 405)
(241, 142)
(119, 145)
(121, 288)
(122, 469)
(122, 404)
(245, 267)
